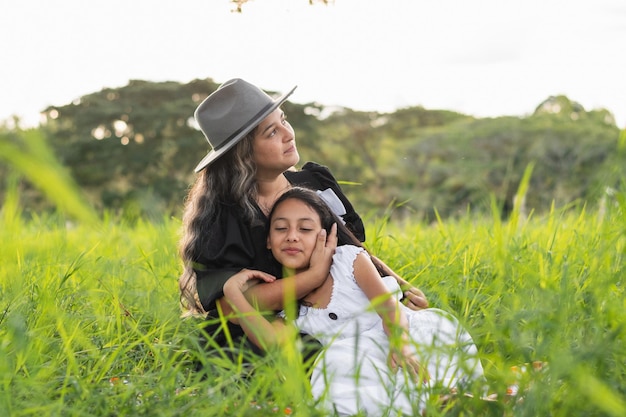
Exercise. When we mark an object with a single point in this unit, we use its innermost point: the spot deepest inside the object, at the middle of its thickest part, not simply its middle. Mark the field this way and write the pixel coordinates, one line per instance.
(90, 323)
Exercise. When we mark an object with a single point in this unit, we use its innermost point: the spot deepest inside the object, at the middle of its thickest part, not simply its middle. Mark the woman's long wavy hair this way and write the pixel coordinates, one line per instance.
(231, 179)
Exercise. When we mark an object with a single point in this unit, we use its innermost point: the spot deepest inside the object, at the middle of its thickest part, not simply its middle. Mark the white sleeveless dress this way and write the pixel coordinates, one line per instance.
(352, 374)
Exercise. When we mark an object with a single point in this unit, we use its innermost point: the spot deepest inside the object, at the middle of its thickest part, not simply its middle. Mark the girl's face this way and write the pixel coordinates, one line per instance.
(294, 227)
(274, 144)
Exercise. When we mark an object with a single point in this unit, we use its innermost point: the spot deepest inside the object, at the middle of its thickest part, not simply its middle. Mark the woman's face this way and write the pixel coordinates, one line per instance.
(274, 145)
(294, 227)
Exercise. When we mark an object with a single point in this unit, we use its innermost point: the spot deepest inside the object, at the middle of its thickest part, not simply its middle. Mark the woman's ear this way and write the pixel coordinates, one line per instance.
(267, 243)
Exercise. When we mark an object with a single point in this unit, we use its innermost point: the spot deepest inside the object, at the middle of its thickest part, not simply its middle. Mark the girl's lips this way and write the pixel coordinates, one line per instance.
(291, 251)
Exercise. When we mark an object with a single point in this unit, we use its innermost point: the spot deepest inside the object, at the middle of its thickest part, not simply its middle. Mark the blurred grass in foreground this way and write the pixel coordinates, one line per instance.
(27, 154)
(89, 317)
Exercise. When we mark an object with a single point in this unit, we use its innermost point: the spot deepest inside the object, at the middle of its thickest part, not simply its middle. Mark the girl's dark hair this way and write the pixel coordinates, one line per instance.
(327, 217)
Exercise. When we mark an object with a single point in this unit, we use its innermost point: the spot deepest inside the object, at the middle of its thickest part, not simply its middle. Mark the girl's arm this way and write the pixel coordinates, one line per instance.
(259, 330)
(415, 298)
(394, 319)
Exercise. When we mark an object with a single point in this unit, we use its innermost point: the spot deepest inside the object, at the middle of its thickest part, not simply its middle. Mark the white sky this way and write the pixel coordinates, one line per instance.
(485, 58)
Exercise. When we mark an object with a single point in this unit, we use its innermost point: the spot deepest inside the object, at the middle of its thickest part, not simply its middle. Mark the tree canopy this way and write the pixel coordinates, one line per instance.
(133, 149)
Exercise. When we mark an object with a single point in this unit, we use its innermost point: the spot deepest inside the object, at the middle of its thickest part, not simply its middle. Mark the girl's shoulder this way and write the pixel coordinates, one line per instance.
(348, 251)
(344, 259)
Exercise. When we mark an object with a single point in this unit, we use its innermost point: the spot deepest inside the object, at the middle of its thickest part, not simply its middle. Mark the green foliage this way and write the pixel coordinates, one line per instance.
(132, 146)
(89, 316)
(28, 155)
(133, 149)
(450, 163)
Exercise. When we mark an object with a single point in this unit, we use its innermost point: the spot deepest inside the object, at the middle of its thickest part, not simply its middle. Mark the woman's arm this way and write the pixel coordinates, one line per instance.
(394, 319)
(271, 296)
(259, 330)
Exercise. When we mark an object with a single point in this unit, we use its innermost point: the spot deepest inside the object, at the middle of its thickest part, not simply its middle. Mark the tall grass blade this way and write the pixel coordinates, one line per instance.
(33, 159)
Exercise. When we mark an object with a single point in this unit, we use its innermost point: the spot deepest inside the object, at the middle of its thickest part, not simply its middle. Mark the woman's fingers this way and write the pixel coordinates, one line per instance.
(415, 299)
(251, 274)
(243, 279)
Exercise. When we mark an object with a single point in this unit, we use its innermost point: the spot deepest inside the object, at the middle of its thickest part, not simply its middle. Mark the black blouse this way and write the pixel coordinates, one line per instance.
(236, 244)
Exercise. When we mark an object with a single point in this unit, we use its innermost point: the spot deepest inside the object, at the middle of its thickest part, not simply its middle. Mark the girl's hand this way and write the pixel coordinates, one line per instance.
(322, 255)
(407, 360)
(244, 279)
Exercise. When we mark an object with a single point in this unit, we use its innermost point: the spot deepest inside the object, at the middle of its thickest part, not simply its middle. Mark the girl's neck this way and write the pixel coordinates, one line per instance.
(320, 297)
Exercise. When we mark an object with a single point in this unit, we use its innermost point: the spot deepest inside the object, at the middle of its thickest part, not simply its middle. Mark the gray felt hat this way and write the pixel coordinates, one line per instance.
(230, 113)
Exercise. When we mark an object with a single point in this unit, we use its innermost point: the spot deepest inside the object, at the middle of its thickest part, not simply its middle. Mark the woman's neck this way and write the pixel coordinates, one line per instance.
(268, 186)
(269, 189)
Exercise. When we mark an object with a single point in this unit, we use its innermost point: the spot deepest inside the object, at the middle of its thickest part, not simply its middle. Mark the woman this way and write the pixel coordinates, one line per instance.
(239, 180)
(358, 321)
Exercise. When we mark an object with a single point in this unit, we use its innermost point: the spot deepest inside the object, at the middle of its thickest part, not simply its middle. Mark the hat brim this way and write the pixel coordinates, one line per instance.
(214, 154)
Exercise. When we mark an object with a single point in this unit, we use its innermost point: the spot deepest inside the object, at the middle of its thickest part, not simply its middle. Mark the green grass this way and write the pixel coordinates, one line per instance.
(89, 317)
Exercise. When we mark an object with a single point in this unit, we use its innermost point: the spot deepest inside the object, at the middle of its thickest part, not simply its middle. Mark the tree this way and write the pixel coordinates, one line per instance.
(132, 145)
(134, 149)
(238, 4)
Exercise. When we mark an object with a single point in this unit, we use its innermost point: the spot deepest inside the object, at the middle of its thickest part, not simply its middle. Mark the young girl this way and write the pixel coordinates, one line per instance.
(391, 356)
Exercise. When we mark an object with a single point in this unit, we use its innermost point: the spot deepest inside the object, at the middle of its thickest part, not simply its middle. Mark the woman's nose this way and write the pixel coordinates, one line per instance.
(292, 236)
(288, 133)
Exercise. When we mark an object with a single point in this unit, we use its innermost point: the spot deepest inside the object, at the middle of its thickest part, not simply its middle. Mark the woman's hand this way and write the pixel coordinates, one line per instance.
(260, 331)
(414, 298)
(407, 360)
(243, 280)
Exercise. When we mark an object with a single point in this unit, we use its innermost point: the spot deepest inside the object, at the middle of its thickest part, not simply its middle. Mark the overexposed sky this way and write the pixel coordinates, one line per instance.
(484, 58)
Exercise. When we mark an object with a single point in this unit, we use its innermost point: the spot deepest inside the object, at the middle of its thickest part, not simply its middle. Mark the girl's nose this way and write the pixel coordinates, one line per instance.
(292, 236)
